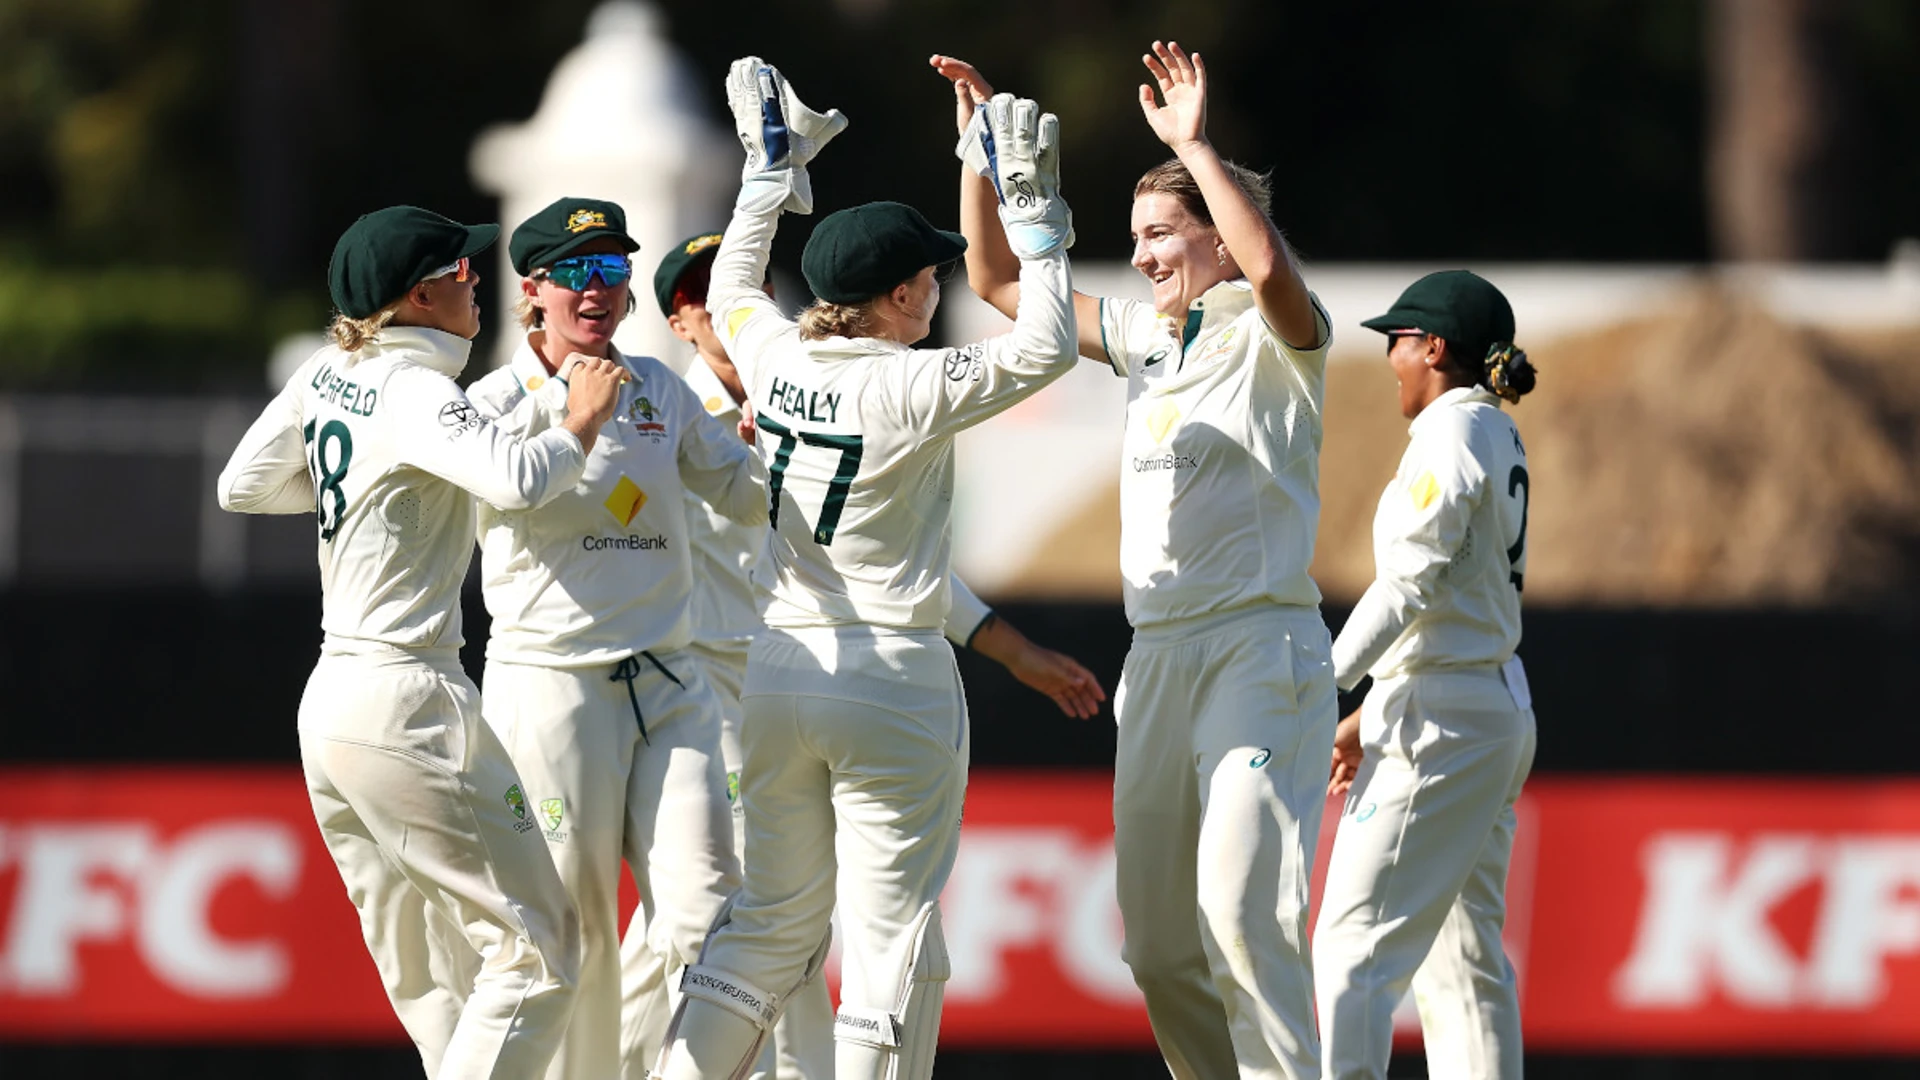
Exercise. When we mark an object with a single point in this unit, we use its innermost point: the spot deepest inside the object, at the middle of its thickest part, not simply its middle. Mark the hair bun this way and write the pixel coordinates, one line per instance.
(1509, 374)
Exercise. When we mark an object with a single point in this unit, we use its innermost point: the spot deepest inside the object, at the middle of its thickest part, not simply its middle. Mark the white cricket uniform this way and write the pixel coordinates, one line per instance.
(856, 732)
(420, 806)
(589, 682)
(1226, 702)
(726, 617)
(1419, 865)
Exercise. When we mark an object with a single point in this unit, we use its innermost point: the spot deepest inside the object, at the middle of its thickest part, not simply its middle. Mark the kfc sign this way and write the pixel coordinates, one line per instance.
(1644, 914)
(182, 903)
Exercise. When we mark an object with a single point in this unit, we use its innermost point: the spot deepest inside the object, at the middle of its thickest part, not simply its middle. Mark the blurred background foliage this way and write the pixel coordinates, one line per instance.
(173, 172)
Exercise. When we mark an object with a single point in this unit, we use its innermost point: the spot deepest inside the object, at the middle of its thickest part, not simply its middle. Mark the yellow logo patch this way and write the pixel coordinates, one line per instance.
(536, 382)
(712, 405)
(1162, 418)
(1424, 491)
(736, 319)
(701, 243)
(626, 501)
(582, 220)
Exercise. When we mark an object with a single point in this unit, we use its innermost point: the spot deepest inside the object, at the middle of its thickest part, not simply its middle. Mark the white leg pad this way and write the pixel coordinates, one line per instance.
(730, 992)
(899, 1045)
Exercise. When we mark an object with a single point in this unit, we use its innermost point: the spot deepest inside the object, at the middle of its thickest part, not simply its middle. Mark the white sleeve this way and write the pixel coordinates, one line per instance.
(439, 430)
(717, 465)
(941, 391)
(967, 614)
(1440, 483)
(267, 473)
(1127, 332)
(744, 316)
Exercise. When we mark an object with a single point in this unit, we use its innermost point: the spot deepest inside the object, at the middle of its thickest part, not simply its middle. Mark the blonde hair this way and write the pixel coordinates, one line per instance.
(351, 335)
(1170, 177)
(824, 320)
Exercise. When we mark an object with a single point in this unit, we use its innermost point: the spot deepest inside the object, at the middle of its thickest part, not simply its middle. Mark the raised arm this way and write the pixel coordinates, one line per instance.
(993, 271)
(780, 135)
(1251, 238)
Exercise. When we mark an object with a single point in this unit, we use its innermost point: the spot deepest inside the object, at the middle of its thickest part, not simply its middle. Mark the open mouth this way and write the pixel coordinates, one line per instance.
(595, 316)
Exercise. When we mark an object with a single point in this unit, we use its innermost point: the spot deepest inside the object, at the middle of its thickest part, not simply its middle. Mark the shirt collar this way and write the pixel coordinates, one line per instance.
(1459, 395)
(443, 352)
(1225, 302)
(531, 372)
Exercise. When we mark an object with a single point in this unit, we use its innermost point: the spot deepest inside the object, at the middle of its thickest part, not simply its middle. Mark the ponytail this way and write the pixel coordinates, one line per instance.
(1507, 372)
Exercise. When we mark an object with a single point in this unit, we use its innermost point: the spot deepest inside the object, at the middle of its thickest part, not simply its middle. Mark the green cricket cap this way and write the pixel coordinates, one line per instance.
(387, 252)
(858, 253)
(1458, 305)
(564, 226)
(681, 258)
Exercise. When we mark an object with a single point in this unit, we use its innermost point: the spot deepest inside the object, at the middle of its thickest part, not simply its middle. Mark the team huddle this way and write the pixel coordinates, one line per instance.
(724, 620)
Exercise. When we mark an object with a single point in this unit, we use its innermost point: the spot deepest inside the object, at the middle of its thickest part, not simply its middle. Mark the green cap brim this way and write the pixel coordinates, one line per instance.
(573, 244)
(1391, 321)
(479, 239)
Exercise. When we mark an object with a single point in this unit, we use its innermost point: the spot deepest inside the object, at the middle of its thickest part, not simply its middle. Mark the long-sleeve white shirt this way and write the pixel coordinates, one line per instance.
(1449, 548)
(1220, 466)
(391, 453)
(858, 433)
(605, 569)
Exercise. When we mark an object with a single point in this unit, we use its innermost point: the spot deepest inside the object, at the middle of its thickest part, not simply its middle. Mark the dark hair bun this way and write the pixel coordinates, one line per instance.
(1508, 372)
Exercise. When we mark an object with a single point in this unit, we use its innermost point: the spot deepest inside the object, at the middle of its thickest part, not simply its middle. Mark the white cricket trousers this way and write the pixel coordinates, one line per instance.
(1226, 728)
(802, 1045)
(1416, 888)
(433, 833)
(856, 760)
(602, 791)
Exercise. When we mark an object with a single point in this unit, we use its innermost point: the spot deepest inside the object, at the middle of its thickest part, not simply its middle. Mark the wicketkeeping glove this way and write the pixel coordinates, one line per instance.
(1021, 149)
(780, 135)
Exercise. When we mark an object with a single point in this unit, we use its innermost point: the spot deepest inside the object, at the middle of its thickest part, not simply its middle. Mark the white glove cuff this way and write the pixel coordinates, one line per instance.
(972, 149)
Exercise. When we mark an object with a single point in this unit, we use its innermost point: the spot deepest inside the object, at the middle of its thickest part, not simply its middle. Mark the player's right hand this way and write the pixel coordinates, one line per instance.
(593, 387)
(1347, 754)
(970, 89)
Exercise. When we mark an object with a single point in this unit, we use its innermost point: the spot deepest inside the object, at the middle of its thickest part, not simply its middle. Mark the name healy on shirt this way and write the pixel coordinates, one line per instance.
(803, 403)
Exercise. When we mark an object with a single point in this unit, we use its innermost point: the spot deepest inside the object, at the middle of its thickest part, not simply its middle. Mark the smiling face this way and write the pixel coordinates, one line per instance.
(1178, 252)
(581, 321)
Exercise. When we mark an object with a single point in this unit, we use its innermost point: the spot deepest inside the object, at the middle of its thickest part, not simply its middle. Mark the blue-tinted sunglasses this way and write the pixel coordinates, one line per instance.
(576, 271)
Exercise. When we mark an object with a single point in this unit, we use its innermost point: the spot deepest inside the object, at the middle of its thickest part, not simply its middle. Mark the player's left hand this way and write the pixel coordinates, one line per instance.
(780, 135)
(1347, 754)
(1182, 79)
(1060, 677)
(748, 429)
(970, 88)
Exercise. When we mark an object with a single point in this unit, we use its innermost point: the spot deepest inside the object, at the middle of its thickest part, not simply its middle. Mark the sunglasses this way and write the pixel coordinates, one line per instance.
(1395, 335)
(576, 271)
(461, 269)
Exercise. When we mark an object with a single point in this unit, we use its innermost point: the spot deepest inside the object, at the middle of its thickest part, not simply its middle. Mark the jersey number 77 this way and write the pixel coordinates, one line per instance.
(850, 447)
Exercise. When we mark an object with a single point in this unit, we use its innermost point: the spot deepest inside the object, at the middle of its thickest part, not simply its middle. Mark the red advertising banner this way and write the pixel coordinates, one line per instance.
(1647, 914)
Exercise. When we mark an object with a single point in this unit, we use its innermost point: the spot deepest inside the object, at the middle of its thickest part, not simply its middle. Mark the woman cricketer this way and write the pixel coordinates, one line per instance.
(1416, 890)
(1226, 703)
(856, 727)
(589, 683)
(427, 821)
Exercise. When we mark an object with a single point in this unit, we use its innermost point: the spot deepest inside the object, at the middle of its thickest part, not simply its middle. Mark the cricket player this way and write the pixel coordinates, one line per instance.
(419, 804)
(856, 730)
(726, 619)
(589, 681)
(1442, 743)
(1226, 703)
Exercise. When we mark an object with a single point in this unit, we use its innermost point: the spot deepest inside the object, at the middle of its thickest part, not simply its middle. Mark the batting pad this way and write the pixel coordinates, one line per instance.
(899, 1045)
